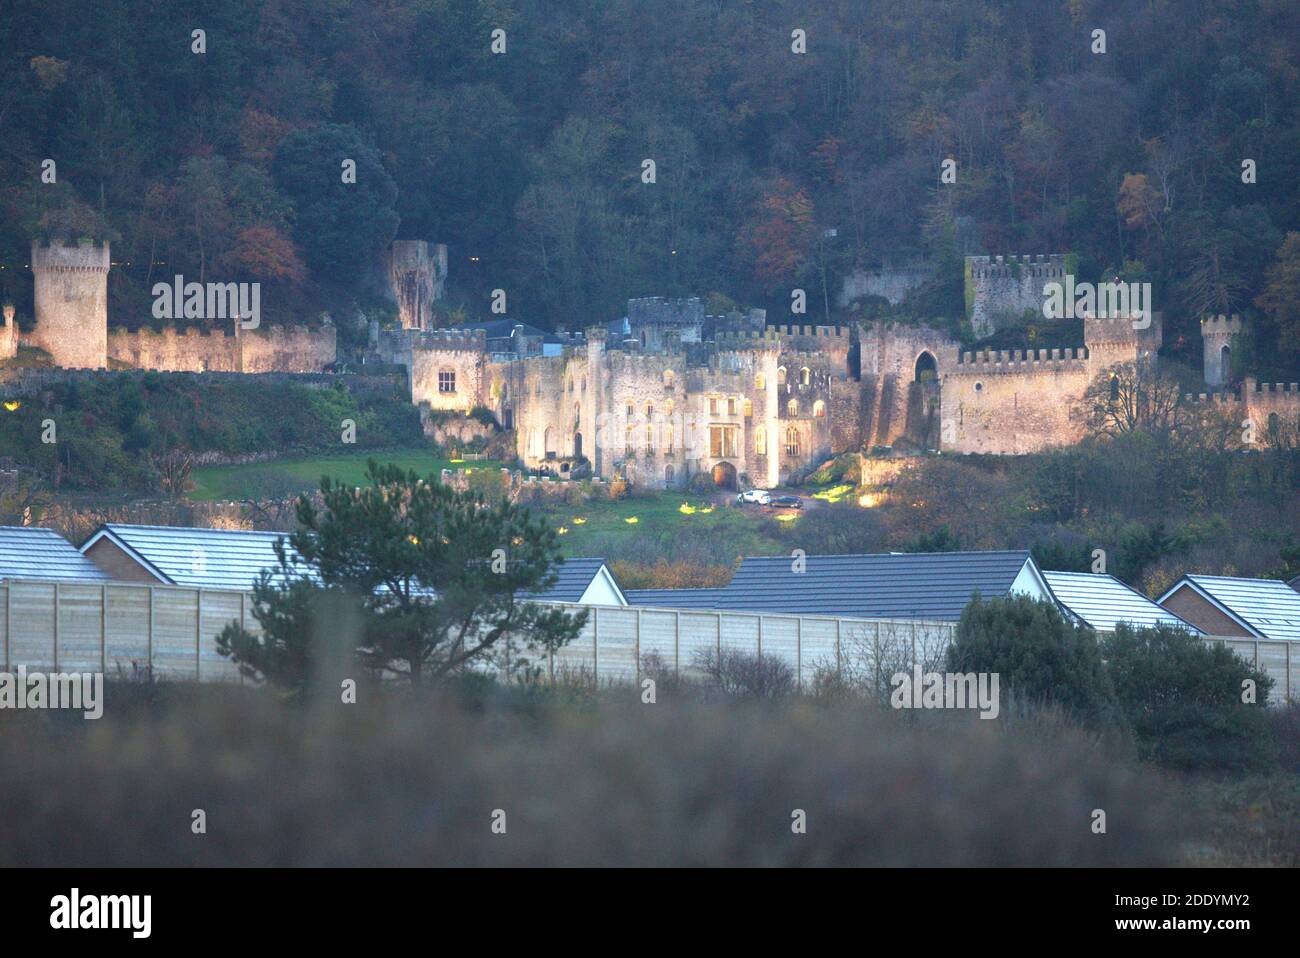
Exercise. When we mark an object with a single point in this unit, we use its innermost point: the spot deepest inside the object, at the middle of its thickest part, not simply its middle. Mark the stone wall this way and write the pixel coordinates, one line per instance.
(293, 349)
(416, 273)
(1002, 288)
(893, 283)
(1014, 401)
(8, 335)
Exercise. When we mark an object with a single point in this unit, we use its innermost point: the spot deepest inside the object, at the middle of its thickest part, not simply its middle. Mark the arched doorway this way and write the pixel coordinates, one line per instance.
(927, 370)
(724, 475)
(577, 445)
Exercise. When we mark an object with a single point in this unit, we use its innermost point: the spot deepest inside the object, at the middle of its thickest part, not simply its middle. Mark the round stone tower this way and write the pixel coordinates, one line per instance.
(72, 303)
(1216, 341)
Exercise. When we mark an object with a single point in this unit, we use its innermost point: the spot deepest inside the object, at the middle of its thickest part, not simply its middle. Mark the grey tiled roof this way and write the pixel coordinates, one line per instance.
(1268, 607)
(678, 598)
(574, 577)
(1102, 601)
(200, 558)
(233, 559)
(935, 585)
(28, 552)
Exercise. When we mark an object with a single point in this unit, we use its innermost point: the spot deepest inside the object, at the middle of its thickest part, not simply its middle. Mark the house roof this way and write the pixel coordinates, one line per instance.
(505, 329)
(935, 585)
(575, 575)
(233, 558)
(678, 598)
(1267, 608)
(29, 552)
(1103, 601)
(200, 558)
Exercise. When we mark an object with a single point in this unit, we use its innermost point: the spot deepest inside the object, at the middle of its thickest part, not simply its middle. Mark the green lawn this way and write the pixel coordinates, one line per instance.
(648, 527)
(283, 477)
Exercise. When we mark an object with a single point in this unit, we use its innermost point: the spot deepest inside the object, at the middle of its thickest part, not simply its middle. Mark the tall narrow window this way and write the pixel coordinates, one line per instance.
(792, 442)
(760, 441)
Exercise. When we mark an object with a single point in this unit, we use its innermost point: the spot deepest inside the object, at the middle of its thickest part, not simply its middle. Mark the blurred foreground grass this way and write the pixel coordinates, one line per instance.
(593, 779)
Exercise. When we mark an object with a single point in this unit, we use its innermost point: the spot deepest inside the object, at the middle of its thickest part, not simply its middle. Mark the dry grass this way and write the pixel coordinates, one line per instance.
(602, 780)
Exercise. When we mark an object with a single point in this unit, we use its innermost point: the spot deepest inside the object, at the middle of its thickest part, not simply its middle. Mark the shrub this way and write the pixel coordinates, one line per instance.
(1040, 657)
(747, 676)
(1182, 698)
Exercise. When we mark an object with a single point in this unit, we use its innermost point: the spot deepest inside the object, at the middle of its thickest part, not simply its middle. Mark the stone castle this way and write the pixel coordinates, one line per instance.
(667, 393)
(71, 307)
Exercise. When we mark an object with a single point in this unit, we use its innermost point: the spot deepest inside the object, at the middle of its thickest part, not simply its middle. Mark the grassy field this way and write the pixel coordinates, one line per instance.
(655, 525)
(282, 477)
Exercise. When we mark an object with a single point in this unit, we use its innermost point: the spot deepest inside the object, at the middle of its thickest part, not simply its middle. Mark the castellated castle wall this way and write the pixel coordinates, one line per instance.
(1271, 409)
(71, 301)
(292, 349)
(1001, 288)
(1013, 401)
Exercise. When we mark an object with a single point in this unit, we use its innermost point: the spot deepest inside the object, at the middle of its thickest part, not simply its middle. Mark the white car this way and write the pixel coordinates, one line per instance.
(760, 496)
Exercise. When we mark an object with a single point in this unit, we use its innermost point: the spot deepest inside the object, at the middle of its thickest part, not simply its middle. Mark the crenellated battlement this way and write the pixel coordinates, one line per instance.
(1221, 325)
(1213, 398)
(1046, 266)
(1021, 360)
(449, 339)
(84, 257)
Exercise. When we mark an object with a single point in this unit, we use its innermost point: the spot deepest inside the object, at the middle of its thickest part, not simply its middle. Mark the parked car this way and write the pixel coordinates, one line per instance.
(760, 496)
(787, 502)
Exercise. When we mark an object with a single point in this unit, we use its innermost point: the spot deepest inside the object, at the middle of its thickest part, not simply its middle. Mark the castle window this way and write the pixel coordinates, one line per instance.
(760, 441)
(584, 383)
(668, 408)
(631, 410)
(628, 439)
(649, 410)
(446, 381)
(760, 382)
(668, 379)
(805, 376)
(979, 387)
(668, 438)
(792, 442)
(749, 409)
(713, 405)
(792, 407)
(780, 375)
(1274, 426)
(722, 441)
(1114, 389)
(819, 409)
(649, 439)
(731, 407)
(669, 474)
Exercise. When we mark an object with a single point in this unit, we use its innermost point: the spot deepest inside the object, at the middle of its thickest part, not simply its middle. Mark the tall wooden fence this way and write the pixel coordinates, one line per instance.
(121, 628)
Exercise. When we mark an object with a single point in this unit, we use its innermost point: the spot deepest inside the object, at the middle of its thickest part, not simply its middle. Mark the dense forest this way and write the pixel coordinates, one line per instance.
(772, 168)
